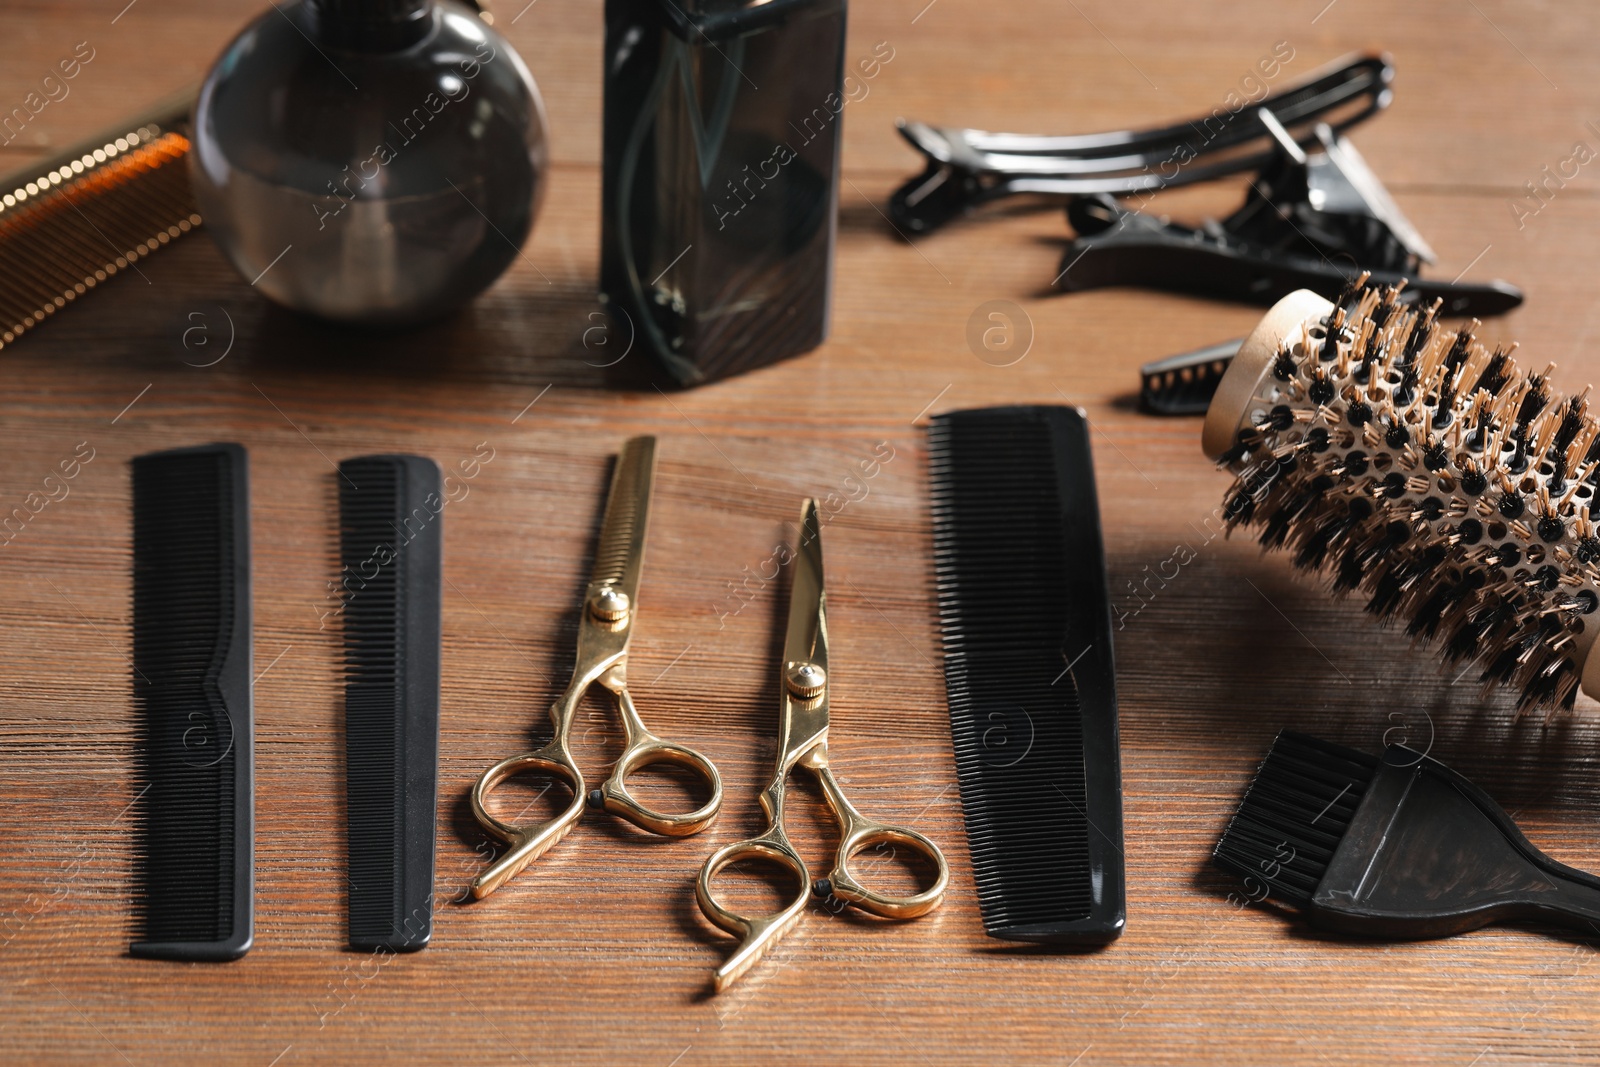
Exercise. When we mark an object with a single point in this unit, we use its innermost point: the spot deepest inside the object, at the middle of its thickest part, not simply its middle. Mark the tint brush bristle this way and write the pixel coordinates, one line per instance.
(191, 685)
(390, 550)
(1294, 815)
(1025, 615)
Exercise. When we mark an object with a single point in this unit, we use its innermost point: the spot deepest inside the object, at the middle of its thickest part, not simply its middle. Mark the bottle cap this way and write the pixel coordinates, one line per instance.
(372, 25)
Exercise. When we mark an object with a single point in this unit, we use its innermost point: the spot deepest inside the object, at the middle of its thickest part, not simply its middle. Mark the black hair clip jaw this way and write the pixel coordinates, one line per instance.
(968, 168)
(1311, 221)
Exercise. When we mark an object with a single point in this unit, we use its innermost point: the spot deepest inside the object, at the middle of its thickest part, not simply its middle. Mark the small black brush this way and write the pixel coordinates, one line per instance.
(1400, 847)
(1025, 611)
(194, 875)
(390, 547)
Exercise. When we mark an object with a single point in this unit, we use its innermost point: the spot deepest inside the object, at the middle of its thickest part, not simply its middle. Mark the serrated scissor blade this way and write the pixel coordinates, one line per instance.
(619, 560)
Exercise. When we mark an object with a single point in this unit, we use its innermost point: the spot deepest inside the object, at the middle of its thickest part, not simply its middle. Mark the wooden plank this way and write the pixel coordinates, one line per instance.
(598, 953)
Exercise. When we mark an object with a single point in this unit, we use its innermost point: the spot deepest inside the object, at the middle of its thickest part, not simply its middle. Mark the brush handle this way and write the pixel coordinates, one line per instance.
(1428, 854)
(1574, 904)
(1543, 888)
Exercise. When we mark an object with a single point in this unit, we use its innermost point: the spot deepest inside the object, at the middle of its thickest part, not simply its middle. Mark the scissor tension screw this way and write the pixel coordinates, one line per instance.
(609, 604)
(806, 679)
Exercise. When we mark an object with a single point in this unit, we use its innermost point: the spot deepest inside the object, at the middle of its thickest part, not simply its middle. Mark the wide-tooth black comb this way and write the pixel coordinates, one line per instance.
(390, 541)
(1400, 847)
(194, 876)
(1026, 616)
(1184, 384)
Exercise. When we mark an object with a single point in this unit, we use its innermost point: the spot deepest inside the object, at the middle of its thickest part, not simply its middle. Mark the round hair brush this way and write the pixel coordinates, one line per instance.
(1409, 462)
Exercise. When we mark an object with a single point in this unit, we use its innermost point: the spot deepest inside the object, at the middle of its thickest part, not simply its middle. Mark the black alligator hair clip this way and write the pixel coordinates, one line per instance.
(969, 168)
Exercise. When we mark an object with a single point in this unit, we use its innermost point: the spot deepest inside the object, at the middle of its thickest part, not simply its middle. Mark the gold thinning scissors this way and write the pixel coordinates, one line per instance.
(610, 604)
(803, 742)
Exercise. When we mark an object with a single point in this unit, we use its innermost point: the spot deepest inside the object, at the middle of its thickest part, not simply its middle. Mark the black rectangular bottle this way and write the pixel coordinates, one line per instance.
(721, 178)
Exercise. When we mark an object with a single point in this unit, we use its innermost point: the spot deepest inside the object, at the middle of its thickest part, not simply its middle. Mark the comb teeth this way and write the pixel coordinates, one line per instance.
(1184, 384)
(1018, 559)
(390, 547)
(83, 218)
(1293, 816)
(191, 683)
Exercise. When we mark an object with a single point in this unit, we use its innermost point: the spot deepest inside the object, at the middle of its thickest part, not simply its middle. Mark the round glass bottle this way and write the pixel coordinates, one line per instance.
(369, 161)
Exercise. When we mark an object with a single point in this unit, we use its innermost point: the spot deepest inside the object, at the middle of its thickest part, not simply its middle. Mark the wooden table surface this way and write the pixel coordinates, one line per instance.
(598, 954)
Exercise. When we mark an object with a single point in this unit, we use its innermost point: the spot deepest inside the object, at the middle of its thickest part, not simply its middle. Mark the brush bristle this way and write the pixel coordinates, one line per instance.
(1405, 460)
(1293, 817)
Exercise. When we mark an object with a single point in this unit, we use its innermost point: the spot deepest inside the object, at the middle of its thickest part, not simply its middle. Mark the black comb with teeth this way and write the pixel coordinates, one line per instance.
(1400, 847)
(1184, 384)
(194, 874)
(390, 546)
(1026, 617)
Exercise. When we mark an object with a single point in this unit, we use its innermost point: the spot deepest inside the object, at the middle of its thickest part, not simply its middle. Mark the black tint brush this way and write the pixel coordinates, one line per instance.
(391, 539)
(191, 685)
(1400, 847)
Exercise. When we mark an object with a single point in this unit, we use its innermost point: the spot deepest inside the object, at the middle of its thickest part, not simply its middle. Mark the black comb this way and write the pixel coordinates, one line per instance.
(1400, 847)
(390, 538)
(1184, 384)
(194, 877)
(1026, 616)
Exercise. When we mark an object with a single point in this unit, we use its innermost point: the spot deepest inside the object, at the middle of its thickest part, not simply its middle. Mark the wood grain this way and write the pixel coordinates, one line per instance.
(597, 954)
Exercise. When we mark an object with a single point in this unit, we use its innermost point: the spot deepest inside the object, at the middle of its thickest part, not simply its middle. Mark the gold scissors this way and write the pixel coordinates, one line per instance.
(609, 605)
(803, 741)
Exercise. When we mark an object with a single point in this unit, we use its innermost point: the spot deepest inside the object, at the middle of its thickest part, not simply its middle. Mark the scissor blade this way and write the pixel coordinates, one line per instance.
(807, 640)
(620, 558)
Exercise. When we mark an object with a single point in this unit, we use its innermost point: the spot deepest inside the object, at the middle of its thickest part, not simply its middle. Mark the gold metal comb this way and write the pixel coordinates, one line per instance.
(77, 219)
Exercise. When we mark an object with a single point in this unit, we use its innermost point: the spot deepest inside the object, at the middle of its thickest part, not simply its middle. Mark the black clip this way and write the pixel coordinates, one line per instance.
(967, 168)
(1310, 221)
